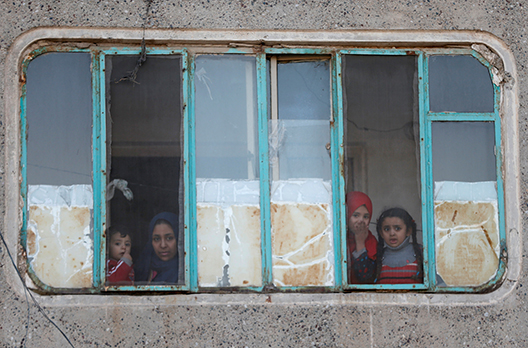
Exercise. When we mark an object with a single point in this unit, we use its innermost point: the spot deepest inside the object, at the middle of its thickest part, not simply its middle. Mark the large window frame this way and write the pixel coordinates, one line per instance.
(337, 152)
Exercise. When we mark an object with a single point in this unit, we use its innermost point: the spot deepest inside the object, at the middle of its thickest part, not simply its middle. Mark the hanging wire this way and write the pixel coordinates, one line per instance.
(132, 75)
(26, 291)
(406, 125)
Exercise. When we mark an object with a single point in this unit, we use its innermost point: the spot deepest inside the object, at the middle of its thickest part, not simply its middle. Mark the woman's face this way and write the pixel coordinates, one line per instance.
(394, 231)
(164, 242)
(359, 220)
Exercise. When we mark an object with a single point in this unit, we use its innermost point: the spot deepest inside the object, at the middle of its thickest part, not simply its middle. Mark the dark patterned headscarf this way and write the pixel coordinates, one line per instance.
(166, 271)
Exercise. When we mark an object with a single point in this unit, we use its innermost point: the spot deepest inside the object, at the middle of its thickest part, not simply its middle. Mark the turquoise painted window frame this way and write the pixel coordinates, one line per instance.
(96, 145)
(426, 235)
(102, 54)
(426, 119)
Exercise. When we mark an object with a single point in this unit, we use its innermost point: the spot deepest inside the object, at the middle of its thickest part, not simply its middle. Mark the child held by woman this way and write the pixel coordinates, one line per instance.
(400, 260)
(119, 269)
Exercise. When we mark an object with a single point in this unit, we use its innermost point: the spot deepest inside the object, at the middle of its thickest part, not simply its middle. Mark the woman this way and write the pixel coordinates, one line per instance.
(361, 243)
(158, 263)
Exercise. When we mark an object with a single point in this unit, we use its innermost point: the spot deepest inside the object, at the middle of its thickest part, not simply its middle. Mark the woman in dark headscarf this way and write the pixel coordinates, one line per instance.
(361, 243)
(158, 263)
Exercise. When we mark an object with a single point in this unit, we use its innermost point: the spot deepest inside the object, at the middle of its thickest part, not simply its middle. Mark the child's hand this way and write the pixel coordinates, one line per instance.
(361, 235)
(360, 229)
(127, 256)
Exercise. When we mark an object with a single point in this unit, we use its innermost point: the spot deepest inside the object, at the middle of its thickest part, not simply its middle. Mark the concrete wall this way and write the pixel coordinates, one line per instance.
(356, 319)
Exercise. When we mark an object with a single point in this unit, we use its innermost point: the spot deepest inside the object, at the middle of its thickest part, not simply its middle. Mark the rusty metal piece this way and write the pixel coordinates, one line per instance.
(301, 244)
(467, 242)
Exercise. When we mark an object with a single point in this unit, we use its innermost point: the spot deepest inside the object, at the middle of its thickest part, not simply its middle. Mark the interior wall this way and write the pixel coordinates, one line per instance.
(381, 110)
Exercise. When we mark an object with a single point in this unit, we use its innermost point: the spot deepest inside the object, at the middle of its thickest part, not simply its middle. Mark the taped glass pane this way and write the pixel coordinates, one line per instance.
(145, 183)
(227, 183)
(301, 190)
(382, 158)
(59, 169)
(459, 84)
(465, 202)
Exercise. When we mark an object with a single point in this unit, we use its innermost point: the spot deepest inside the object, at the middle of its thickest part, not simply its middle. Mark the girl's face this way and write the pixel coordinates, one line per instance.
(119, 246)
(359, 220)
(164, 242)
(394, 231)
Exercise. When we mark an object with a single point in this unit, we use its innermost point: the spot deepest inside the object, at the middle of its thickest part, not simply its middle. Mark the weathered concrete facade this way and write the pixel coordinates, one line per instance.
(371, 319)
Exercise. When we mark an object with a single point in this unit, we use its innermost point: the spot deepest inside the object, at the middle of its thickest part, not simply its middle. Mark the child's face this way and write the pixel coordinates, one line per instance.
(359, 220)
(164, 242)
(394, 231)
(119, 246)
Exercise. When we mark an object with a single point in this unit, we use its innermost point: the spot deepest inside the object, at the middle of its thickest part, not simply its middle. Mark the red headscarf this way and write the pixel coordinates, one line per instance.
(356, 199)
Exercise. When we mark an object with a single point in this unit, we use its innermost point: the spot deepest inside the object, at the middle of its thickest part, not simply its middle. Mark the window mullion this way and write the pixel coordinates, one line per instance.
(427, 174)
(338, 180)
(265, 218)
(189, 213)
(189, 152)
(99, 166)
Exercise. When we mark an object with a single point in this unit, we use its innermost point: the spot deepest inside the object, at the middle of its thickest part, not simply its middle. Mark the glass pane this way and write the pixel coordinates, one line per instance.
(301, 191)
(464, 151)
(226, 116)
(59, 169)
(227, 183)
(459, 84)
(465, 202)
(144, 119)
(302, 127)
(382, 160)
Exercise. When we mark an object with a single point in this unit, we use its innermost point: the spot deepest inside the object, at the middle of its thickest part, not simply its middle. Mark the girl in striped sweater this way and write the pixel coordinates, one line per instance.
(399, 260)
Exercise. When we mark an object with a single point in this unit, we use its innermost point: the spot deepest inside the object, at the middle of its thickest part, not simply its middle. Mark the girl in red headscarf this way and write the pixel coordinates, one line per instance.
(361, 243)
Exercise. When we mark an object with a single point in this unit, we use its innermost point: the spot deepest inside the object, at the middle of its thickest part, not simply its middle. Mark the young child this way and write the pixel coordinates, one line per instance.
(400, 261)
(119, 269)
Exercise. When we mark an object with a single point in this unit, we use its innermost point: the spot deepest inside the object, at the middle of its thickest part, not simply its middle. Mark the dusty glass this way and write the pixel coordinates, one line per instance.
(59, 169)
(227, 172)
(460, 84)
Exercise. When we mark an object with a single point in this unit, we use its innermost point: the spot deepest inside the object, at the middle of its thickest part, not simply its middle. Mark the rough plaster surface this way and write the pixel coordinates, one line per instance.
(266, 323)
